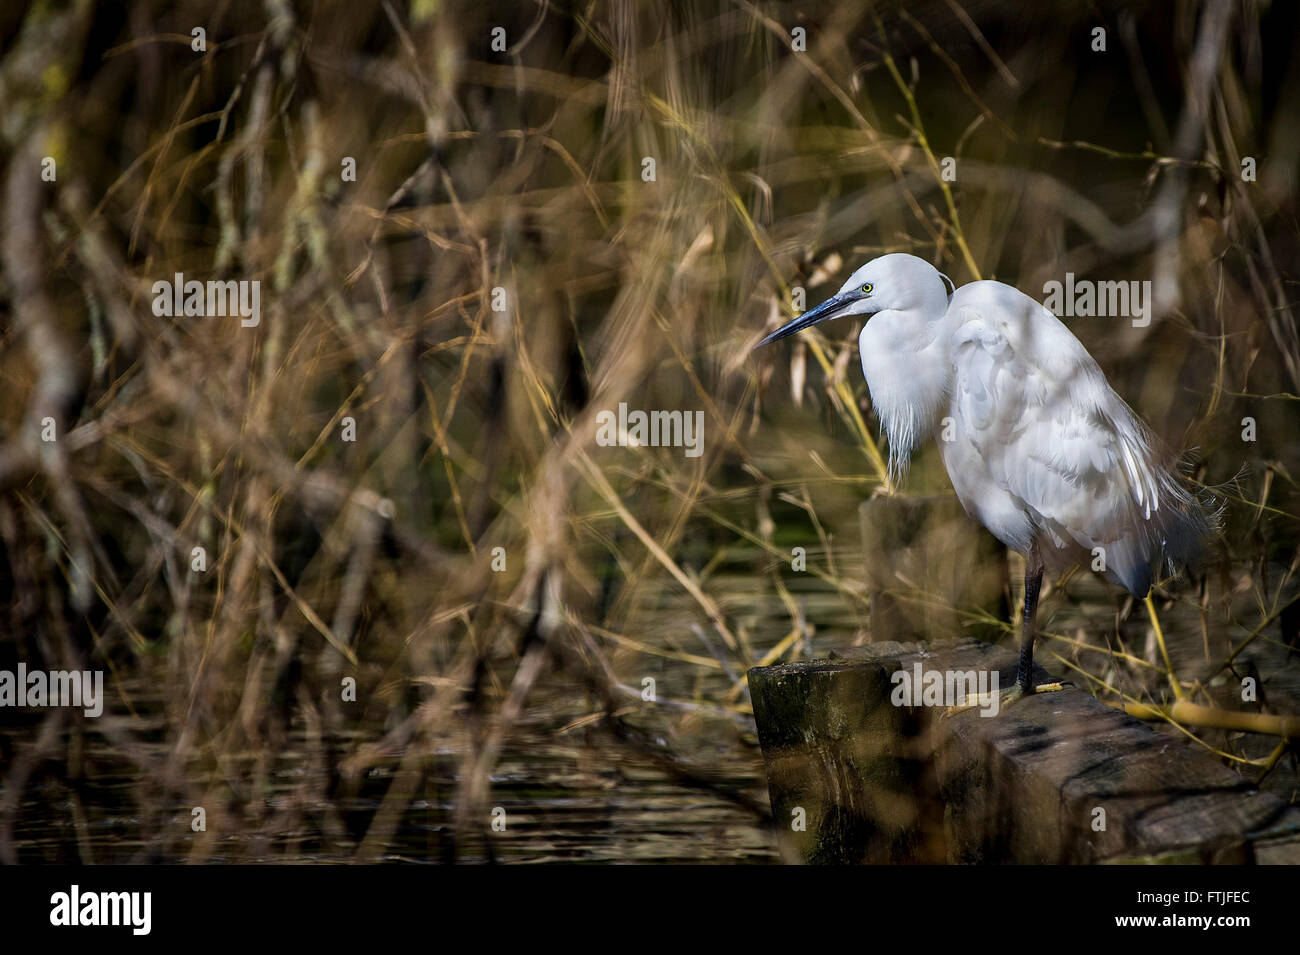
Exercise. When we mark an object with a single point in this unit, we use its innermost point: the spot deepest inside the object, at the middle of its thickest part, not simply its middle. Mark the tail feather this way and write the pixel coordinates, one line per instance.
(1173, 521)
(1177, 534)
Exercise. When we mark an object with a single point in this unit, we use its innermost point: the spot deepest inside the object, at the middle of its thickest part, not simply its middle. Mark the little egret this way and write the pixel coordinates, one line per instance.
(1038, 447)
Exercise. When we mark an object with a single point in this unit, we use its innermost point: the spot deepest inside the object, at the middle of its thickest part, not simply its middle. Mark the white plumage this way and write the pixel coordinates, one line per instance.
(1044, 452)
(1039, 448)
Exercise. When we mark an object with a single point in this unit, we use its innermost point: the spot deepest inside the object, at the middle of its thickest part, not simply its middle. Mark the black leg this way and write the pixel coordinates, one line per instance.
(1033, 580)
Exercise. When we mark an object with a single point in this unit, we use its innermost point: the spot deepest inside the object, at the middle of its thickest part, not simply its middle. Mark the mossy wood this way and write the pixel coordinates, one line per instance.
(1058, 778)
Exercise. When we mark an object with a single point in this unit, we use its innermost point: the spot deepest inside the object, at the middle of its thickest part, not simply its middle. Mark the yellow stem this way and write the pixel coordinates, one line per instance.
(1160, 639)
(1194, 714)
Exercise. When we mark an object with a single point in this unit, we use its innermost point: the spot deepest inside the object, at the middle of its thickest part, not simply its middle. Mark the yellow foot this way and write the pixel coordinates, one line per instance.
(992, 705)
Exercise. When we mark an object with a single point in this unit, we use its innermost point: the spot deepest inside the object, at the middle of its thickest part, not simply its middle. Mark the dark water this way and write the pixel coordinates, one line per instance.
(567, 796)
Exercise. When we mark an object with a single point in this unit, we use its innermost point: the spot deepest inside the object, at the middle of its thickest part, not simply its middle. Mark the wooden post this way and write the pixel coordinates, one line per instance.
(1057, 778)
(839, 781)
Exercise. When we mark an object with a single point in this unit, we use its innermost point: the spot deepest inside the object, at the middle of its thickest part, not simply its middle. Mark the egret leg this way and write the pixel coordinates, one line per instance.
(1025, 670)
(1033, 583)
(1028, 633)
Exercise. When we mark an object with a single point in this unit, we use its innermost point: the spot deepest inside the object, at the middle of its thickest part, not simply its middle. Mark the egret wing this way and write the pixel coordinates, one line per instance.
(1036, 413)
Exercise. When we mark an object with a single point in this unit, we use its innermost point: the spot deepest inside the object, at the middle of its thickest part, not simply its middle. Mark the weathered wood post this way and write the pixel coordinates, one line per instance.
(1058, 778)
(838, 775)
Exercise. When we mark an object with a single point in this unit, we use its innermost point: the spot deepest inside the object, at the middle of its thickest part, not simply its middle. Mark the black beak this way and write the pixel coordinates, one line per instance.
(827, 309)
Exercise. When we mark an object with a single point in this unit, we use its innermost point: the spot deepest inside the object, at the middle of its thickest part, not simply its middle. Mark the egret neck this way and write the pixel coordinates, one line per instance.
(907, 361)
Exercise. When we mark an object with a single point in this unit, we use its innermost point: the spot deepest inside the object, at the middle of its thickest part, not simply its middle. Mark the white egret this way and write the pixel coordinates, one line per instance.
(1038, 447)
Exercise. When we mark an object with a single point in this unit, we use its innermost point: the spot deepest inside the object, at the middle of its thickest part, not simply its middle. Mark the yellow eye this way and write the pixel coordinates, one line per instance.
(867, 288)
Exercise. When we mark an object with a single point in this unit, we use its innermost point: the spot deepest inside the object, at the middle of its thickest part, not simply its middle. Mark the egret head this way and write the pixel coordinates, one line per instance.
(894, 282)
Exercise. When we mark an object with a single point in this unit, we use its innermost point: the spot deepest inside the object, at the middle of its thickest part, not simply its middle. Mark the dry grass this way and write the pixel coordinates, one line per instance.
(475, 429)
